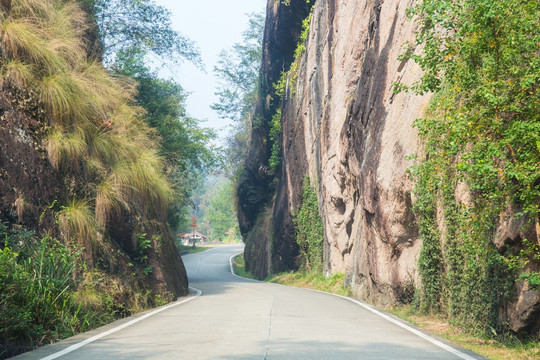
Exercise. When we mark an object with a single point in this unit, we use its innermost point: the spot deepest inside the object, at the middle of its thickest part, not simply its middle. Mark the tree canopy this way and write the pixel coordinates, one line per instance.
(124, 24)
(238, 71)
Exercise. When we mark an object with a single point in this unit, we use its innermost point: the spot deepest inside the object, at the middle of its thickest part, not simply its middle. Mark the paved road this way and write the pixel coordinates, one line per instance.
(235, 318)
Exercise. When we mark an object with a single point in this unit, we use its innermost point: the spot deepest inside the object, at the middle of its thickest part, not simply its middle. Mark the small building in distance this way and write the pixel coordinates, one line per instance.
(188, 238)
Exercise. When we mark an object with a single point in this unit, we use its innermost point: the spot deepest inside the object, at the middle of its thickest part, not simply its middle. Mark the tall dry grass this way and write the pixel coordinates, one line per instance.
(97, 135)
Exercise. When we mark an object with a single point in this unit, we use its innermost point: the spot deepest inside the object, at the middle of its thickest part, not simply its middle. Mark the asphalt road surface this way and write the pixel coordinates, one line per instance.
(227, 317)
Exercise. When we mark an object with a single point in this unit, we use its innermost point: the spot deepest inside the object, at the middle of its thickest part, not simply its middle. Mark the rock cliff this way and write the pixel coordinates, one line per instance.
(344, 127)
(36, 186)
(31, 190)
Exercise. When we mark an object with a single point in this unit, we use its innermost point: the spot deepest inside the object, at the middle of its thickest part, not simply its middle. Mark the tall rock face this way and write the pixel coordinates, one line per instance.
(256, 188)
(345, 128)
(355, 134)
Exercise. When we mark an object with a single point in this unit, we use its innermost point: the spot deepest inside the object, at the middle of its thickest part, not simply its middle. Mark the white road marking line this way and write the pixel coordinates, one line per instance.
(231, 265)
(405, 326)
(118, 328)
(384, 316)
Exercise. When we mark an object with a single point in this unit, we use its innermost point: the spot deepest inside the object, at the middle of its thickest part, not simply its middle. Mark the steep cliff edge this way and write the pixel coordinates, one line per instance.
(344, 127)
(56, 131)
(356, 136)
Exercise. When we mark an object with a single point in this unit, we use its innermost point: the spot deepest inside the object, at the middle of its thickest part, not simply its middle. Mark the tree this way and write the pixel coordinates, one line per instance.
(186, 146)
(221, 213)
(238, 70)
(126, 24)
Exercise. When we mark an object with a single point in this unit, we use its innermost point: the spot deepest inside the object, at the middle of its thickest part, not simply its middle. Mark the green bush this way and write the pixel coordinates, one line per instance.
(36, 292)
(481, 135)
(309, 231)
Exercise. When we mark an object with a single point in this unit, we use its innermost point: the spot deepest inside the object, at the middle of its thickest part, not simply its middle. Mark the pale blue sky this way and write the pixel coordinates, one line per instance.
(214, 25)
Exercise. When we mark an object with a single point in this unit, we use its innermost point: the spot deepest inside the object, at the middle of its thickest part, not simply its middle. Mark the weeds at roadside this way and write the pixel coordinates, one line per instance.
(504, 347)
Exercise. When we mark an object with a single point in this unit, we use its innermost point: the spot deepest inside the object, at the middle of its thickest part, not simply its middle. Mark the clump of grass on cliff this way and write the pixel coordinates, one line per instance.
(97, 135)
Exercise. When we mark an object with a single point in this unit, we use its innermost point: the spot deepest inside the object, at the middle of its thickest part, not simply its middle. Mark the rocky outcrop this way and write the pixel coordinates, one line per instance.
(28, 184)
(355, 134)
(344, 126)
(32, 191)
(256, 185)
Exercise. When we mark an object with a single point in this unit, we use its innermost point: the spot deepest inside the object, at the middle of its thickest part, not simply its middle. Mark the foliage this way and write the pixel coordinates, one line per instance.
(287, 81)
(317, 281)
(309, 231)
(283, 87)
(37, 286)
(239, 267)
(275, 138)
(502, 348)
(96, 135)
(77, 222)
(141, 24)
(238, 71)
(482, 133)
(221, 212)
(186, 146)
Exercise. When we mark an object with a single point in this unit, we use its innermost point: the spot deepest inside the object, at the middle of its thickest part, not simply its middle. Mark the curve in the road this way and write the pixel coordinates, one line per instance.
(243, 319)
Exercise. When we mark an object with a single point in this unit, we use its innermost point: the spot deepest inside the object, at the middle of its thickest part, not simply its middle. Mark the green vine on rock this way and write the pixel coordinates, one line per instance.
(275, 137)
(481, 136)
(286, 85)
(309, 230)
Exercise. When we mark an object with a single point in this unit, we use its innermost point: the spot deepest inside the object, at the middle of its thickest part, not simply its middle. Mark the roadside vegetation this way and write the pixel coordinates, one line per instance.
(508, 347)
(481, 136)
(127, 155)
(43, 296)
(239, 267)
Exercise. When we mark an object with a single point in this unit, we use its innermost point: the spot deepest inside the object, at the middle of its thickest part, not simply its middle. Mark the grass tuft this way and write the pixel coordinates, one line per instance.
(109, 199)
(58, 94)
(21, 39)
(66, 149)
(16, 72)
(77, 222)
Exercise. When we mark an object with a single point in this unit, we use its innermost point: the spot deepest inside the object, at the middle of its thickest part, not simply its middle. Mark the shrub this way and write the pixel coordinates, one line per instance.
(37, 284)
(309, 231)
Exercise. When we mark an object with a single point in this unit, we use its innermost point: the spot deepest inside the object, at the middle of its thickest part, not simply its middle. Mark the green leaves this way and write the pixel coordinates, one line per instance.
(186, 145)
(220, 213)
(309, 231)
(482, 132)
(37, 285)
(238, 72)
(123, 24)
(275, 137)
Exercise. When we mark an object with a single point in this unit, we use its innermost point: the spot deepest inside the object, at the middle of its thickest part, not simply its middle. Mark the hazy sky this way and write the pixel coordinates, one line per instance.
(214, 25)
